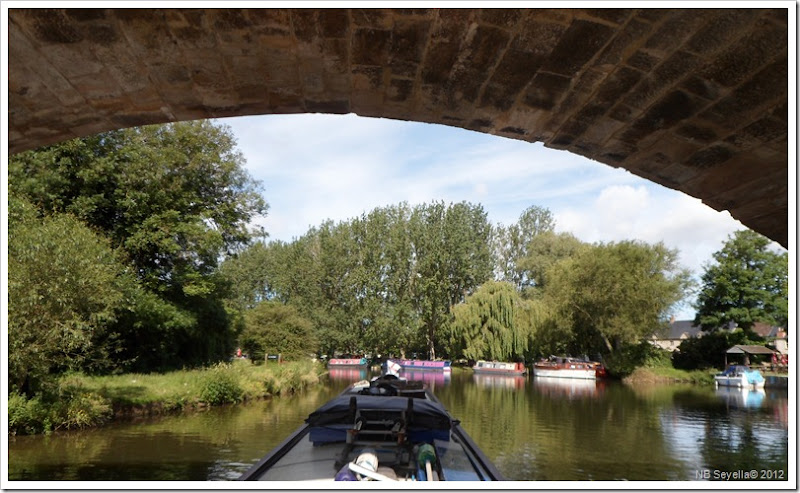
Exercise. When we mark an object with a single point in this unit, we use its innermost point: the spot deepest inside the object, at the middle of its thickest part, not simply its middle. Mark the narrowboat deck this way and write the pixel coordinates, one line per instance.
(398, 425)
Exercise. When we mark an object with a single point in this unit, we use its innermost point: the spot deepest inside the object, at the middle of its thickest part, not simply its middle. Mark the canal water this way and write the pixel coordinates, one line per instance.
(532, 429)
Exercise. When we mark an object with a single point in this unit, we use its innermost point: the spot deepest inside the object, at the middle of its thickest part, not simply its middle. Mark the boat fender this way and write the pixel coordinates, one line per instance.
(427, 456)
(345, 474)
(367, 460)
(368, 474)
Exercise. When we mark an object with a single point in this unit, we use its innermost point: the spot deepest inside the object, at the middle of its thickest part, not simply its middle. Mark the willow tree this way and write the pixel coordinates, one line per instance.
(491, 324)
(615, 294)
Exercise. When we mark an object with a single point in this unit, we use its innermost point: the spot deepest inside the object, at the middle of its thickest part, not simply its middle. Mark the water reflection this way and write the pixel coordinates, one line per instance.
(568, 388)
(531, 428)
(434, 379)
(348, 375)
(741, 397)
(504, 381)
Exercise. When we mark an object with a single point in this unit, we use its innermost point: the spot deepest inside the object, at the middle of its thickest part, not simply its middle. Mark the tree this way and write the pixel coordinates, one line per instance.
(275, 328)
(512, 244)
(544, 251)
(175, 199)
(612, 294)
(491, 324)
(747, 283)
(451, 259)
(65, 284)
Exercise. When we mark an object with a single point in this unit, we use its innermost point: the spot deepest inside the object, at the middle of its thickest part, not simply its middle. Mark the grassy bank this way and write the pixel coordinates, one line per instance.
(665, 374)
(79, 401)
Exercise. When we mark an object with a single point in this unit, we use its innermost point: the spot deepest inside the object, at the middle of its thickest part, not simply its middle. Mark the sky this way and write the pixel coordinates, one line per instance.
(314, 167)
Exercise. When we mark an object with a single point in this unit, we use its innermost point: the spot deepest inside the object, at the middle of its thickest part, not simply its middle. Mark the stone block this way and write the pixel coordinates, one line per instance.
(723, 26)
(408, 40)
(693, 132)
(615, 16)
(505, 18)
(334, 23)
(736, 63)
(546, 90)
(624, 43)
(399, 89)
(710, 157)
(372, 18)
(764, 89)
(579, 44)
(643, 61)
(701, 87)
(304, 22)
(515, 70)
(370, 47)
(340, 107)
(677, 26)
(438, 63)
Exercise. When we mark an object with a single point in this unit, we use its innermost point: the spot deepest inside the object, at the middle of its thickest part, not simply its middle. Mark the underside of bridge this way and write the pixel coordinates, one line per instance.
(693, 99)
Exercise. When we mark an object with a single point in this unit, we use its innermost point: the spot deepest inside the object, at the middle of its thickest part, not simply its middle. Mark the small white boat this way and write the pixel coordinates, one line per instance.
(740, 376)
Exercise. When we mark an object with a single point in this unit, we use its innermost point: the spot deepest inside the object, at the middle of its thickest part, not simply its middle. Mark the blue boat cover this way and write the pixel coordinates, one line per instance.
(426, 413)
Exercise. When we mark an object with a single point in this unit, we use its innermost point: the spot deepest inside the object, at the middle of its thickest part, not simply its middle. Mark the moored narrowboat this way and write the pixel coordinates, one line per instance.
(422, 365)
(499, 368)
(348, 363)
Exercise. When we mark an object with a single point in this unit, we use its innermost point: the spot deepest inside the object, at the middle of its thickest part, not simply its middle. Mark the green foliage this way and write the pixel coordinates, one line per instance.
(65, 283)
(614, 294)
(544, 251)
(78, 401)
(172, 200)
(27, 416)
(747, 283)
(383, 282)
(65, 405)
(629, 357)
(512, 245)
(275, 328)
(708, 351)
(450, 247)
(490, 324)
(173, 196)
(220, 386)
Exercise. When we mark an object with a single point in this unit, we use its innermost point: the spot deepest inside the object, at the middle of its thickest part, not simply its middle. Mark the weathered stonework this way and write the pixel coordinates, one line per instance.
(693, 99)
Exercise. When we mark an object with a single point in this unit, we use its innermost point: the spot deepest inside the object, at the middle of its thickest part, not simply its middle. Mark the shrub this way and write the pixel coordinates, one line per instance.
(27, 416)
(221, 387)
(623, 362)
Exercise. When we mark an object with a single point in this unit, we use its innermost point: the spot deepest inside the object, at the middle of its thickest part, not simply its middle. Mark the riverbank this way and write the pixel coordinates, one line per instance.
(644, 375)
(80, 401)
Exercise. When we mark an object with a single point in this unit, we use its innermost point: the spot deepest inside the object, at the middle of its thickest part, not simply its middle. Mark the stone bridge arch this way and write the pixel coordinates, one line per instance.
(693, 99)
